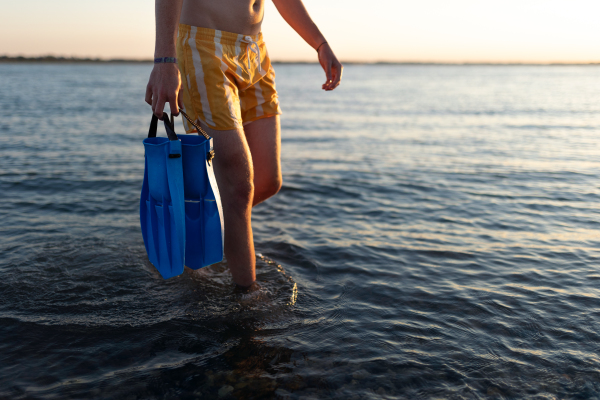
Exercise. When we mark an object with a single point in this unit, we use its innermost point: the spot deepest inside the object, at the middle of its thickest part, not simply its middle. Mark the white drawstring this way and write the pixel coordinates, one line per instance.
(252, 46)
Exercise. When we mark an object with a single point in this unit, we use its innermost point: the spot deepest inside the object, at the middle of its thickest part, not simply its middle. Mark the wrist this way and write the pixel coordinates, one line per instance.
(165, 60)
(165, 51)
(320, 46)
(166, 67)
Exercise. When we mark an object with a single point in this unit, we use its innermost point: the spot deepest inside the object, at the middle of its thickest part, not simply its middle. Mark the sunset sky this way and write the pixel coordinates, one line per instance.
(377, 30)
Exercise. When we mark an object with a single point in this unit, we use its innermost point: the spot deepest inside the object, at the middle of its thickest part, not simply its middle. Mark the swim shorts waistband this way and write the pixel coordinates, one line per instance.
(223, 36)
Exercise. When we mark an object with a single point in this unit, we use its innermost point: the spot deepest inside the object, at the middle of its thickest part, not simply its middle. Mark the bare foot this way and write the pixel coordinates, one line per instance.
(250, 295)
(246, 289)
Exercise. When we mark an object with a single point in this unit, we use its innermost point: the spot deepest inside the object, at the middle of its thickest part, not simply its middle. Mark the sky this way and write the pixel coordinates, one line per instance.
(365, 31)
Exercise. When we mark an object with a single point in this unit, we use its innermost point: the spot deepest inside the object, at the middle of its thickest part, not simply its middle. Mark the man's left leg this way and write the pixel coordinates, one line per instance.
(264, 139)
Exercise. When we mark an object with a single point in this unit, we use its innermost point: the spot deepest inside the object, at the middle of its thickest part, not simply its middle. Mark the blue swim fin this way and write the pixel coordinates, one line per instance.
(203, 211)
(162, 204)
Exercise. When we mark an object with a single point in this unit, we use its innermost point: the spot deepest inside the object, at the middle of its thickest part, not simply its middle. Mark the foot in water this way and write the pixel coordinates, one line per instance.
(250, 294)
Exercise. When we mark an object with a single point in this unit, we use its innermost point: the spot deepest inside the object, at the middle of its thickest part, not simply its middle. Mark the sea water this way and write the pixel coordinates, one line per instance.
(437, 236)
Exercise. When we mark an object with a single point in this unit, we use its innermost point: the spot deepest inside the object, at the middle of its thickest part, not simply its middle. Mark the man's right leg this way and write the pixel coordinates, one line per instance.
(234, 173)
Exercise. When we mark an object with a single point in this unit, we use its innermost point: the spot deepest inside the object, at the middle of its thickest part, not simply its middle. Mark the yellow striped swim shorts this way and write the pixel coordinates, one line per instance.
(227, 78)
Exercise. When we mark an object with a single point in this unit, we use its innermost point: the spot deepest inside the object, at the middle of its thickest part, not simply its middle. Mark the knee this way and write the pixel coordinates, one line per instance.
(235, 178)
(268, 187)
(275, 185)
(240, 193)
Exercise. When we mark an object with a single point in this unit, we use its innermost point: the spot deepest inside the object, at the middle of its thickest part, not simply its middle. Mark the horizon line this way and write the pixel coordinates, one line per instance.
(76, 59)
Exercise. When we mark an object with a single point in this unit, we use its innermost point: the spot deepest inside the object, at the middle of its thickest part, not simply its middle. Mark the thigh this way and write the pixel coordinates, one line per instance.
(264, 141)
(232, 162)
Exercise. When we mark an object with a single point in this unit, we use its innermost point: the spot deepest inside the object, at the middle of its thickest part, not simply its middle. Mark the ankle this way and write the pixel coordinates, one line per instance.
(246, 288)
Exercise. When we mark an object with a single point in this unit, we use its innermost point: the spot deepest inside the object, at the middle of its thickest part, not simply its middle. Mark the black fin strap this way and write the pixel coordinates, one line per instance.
(169, 126)
(153, 126)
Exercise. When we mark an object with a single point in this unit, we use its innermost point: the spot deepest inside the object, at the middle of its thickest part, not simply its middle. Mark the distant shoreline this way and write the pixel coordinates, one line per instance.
(81, 60)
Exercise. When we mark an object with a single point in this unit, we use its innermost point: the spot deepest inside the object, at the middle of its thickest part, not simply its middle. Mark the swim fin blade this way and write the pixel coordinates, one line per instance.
(203, 211)
(162, 204)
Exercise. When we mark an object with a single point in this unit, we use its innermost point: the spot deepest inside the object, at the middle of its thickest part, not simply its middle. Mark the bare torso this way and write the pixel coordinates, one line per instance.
(238, 16)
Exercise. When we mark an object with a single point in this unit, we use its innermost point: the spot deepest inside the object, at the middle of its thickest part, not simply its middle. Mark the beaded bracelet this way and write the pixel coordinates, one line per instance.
(165, 60)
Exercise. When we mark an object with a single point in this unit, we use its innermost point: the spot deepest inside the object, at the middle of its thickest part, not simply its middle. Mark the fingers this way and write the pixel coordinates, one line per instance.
(148, 97)
(337, 76)
(173, 104)
(328, 75)
(164, 87)
(158, 106)
(158, 103)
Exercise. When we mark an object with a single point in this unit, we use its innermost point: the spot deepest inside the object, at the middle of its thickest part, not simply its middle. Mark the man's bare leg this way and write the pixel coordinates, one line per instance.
(234, 173)
(264, 139)
(248, 171)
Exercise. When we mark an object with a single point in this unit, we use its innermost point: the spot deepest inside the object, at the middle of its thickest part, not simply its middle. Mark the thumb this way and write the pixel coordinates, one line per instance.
(180, 100)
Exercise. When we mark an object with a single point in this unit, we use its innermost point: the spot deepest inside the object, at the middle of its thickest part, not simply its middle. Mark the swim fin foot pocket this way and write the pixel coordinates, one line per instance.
(180, 208)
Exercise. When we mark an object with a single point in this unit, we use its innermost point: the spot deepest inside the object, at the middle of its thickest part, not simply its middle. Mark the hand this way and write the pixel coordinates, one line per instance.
(164, 86)
(332, 67)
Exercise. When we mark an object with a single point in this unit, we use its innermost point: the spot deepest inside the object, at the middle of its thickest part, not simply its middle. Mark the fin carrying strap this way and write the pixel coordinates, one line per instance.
(211, 154)
(195, 125)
